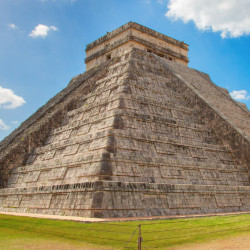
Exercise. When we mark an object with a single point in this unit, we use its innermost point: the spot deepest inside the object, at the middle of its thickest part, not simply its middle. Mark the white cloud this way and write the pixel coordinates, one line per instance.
(13, 26)
(9, 99)
(240, 95)
(53, 28)
(3, 126)
(15, 122)
(42, 30)
(229, 17)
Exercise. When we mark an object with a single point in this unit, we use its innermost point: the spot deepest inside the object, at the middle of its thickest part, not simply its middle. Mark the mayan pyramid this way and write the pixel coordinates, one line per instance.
(138, 134)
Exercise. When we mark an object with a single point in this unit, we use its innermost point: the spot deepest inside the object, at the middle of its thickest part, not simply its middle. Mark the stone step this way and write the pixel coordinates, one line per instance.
(85, 135)
(134, 101)
(114, 199)
(131, 136)
(126, 159)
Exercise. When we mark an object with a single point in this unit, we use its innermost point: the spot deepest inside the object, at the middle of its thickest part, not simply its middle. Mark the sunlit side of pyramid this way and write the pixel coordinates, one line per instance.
(138, 134)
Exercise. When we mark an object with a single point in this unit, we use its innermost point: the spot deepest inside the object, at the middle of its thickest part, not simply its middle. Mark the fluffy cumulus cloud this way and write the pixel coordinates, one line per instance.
(9, 100)
(3, 126)
(240, 95)
(12, 26)
(229, 17)
(42, 30)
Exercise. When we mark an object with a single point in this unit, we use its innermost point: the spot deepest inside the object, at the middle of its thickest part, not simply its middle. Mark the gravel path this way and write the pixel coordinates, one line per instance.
(83, 219)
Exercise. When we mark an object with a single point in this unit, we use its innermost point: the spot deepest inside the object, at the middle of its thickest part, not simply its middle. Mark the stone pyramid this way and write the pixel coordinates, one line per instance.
(138, 134)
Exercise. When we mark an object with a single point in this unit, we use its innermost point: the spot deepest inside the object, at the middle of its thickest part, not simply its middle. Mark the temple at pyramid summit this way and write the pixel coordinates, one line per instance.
(138, 134)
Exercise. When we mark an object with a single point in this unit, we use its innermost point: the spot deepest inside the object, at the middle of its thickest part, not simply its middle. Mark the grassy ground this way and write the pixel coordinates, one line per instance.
(32, 233)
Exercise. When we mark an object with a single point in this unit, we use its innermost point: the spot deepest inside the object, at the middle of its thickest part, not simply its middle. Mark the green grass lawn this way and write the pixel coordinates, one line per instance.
(32, 233)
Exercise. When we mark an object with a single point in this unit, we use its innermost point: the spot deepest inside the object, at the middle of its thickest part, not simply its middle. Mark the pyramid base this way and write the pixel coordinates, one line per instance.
(106, 199)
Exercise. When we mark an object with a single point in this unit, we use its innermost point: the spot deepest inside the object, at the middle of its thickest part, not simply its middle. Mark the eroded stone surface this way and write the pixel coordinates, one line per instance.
(133, 35)
(142, 137)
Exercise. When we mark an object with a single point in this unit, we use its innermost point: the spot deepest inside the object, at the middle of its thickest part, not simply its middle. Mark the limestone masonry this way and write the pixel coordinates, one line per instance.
(138, 134)
(133, 35)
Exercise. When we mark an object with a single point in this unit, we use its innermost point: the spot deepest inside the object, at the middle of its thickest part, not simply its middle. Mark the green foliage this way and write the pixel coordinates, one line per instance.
(156, 233)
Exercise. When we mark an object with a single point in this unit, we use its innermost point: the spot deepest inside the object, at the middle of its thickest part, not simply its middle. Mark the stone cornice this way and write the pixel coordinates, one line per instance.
(155, 47)
(136, 26)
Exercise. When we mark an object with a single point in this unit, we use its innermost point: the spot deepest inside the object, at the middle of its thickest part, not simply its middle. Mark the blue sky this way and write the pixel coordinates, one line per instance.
(42, 44)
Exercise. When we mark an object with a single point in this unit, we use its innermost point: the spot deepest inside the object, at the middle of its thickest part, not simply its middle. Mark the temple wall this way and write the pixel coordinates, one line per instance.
(139, 37)
(116, 199)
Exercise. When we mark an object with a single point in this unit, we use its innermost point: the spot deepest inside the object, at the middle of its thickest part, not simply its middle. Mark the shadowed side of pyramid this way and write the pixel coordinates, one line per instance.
(141, 134)
(236, 114)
